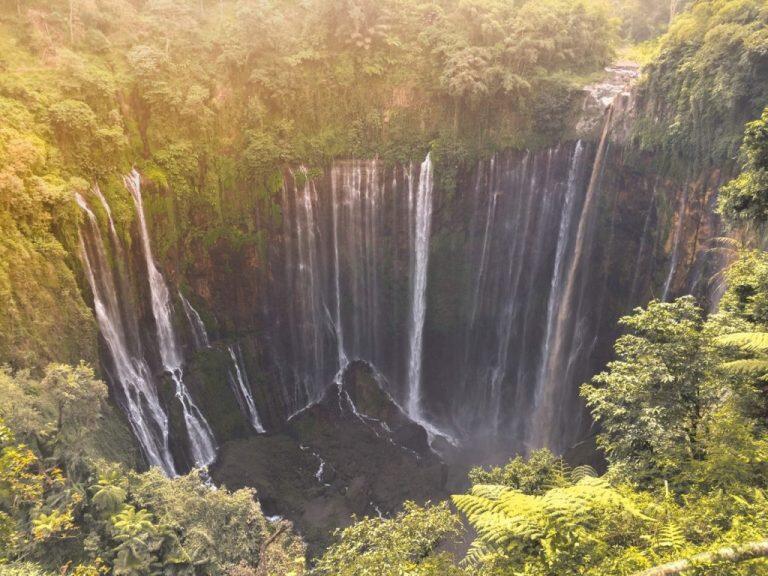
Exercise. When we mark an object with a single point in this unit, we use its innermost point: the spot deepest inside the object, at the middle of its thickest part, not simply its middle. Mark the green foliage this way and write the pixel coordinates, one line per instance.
(540, 472)
(130, 523)
(753, 343)
(643, 19)
(707, 80)
(650, 400)
(746, 297)
(408, 543)
(64, 414)
(746, 197)
(209, 100)
(550, 533)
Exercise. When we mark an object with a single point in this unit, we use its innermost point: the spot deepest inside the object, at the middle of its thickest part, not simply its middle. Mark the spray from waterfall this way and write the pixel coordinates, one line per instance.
(131, 373)
(202, 443)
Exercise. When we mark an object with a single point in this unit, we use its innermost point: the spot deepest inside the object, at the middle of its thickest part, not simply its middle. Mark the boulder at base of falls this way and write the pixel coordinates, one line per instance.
(352, 453)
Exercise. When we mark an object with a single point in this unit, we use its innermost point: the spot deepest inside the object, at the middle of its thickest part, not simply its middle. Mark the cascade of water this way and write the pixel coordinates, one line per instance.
(308, 289)
(641, 251)
(343, 361)
(374, 191)
(423, 223)
(676, 241)
(357, 194)
(566, 328)
(242, 388)
(196, 324)
(202, 443)
(124, 286)
(556, 285)
(105, 205)
(132, 375)
(485, 250)
(510, 285)
(529, 324)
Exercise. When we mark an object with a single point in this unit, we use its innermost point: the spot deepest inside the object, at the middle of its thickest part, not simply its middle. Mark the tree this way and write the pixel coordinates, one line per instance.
(650, 400)
(405, 544)
(58, 411)
(745, 198)
(540, 472)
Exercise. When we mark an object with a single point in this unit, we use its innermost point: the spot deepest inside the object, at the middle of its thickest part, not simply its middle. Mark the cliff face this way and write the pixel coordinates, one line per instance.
(482, 306)
(533, 256)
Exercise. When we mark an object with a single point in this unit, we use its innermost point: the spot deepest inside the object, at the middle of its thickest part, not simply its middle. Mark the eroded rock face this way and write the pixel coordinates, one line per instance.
(533, 256)
(617, 82)
(348, 454)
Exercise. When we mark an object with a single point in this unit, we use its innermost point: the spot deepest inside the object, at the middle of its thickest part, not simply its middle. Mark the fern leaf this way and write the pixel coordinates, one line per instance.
(749, 367)
(755, 342)
(583, 471)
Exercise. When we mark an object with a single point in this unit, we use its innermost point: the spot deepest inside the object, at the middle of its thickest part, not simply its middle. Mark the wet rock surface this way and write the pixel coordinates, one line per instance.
(353, 453)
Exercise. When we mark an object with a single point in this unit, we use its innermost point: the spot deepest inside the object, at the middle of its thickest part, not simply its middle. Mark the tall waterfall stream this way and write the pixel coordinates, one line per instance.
(480, 312)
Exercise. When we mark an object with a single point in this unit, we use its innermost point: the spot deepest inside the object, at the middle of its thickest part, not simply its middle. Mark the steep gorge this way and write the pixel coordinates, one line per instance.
(482, 306)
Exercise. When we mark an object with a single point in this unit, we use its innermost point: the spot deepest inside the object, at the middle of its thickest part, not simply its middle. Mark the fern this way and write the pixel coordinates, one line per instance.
(670, 537)
(753, 342)
(583, 471)
(747, 367)
(507, 520)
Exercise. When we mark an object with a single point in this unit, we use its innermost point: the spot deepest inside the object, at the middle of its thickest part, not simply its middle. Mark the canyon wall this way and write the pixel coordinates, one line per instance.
(483, 306)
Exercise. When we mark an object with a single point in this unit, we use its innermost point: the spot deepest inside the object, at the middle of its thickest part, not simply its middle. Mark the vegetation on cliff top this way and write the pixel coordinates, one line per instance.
(209, 99)
(708, 77)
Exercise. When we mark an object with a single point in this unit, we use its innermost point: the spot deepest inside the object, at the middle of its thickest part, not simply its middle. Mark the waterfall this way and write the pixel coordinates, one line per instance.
(131, 374)
(556, 296)
(422, 226)
(519, 264)
(338, 326)
(196, 324)
(676, 240)
(489, 223)
(107, 209)
(357, 195)
(307, 307)
(509, 298)
(242, 388)
(202, 443)
(641, 251)
(567, 333)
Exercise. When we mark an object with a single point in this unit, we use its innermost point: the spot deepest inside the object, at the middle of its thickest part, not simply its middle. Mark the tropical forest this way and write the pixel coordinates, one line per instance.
(384, 287)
